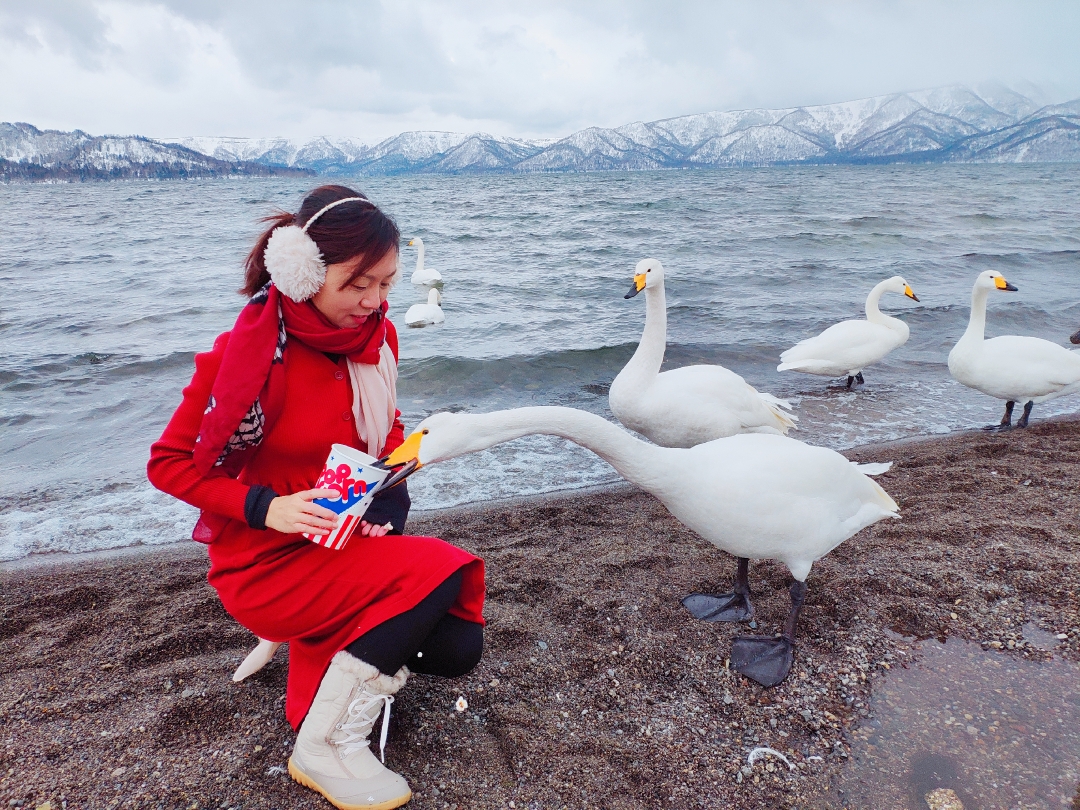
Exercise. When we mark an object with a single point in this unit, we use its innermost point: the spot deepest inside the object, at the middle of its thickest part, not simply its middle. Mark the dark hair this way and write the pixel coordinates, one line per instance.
(344, 232)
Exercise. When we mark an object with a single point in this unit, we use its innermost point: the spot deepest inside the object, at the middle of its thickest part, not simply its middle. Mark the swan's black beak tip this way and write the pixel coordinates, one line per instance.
(396, 478)
(633, 291)
(1010, 287)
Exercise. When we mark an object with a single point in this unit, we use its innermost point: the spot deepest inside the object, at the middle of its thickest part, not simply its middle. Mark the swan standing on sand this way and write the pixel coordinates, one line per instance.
(431, 312)
(1011, 367)
(690, 405)
(846, 348)
(423, 275)
(754, 496)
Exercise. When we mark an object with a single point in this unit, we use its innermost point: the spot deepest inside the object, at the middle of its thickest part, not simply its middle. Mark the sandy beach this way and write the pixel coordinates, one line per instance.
(597, 689)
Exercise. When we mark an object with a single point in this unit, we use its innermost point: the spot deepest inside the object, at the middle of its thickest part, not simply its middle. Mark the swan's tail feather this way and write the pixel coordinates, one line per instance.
(781, 409)
(256, 660)
(796, 365)
(874, 468)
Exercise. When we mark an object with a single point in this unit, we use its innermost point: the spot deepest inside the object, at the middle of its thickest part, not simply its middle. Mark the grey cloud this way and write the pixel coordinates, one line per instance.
(71, 27)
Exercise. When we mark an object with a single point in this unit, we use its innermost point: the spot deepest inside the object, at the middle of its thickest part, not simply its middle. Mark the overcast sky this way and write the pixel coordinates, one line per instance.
(372, 69)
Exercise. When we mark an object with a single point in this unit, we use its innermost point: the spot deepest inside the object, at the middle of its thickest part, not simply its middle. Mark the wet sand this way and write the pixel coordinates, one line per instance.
(597, 689)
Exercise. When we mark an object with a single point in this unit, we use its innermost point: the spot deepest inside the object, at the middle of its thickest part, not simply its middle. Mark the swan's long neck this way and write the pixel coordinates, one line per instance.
(873, 314)
(649, 356)
(638, 462)
(419, 255)
(976, 328)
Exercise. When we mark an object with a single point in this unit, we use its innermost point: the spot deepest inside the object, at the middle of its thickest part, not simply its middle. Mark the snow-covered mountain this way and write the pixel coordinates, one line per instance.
(951, 124)
(27, 153)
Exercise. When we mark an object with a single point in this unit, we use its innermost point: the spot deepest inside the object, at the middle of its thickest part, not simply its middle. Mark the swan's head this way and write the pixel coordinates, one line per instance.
(439, 437)
(434, 297)
(993, 280)
(897, 284)
(648, 273)
(416, 240)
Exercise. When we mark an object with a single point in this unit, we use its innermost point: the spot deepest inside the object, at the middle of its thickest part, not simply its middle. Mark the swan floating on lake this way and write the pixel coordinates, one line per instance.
(690, 405)
(422, 274)
(846, 348)
(755, 496)
(422, 314)
(1014, 368)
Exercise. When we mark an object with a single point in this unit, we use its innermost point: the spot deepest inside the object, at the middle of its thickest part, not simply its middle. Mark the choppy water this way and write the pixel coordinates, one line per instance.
(110, 289)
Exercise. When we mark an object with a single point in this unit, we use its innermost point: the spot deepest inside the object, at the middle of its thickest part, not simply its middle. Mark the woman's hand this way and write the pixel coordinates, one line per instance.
(295, 513)
(374, 530)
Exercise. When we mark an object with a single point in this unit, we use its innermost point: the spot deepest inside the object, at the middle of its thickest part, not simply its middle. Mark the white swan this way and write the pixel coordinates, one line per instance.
(690, 405)
(1011, 367)
(431, 312)
(846, 348)
(423, 275)
(753, 495)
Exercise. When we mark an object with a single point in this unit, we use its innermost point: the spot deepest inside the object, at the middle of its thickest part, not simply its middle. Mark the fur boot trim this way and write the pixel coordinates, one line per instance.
(367, 674)
(294, 262)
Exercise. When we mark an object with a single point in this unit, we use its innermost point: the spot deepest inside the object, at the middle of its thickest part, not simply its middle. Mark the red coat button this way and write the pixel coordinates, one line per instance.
(339, 375)
(347, 415)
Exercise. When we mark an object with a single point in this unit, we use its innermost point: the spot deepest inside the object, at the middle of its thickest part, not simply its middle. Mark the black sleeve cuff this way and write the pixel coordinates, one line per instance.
(257, 504)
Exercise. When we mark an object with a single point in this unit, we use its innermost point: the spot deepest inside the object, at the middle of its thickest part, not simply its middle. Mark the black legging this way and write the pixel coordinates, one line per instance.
(426, 638)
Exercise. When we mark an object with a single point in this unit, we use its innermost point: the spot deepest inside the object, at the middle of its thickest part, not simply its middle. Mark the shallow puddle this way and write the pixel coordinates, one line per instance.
(971, 727)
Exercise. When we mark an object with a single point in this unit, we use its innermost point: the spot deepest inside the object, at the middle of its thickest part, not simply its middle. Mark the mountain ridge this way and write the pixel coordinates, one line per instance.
(953, 124)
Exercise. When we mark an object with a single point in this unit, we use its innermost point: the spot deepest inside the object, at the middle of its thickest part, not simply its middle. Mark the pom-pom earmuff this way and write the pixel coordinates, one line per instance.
(293, 259)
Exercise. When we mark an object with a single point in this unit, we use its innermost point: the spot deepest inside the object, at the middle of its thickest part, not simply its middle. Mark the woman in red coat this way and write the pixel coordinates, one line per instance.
(312, 361)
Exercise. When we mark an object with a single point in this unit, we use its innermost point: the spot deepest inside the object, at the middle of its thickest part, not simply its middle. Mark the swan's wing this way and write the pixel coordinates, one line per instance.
(701, 393)
(1030, 363)
(850, 344)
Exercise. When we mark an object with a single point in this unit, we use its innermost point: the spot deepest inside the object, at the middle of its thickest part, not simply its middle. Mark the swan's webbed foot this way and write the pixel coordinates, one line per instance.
(719, 607)
(1006, 420)
(859, 379)
(765, 659)
(850, 380)
(768, 659)
(724, 607)
(1023, 421)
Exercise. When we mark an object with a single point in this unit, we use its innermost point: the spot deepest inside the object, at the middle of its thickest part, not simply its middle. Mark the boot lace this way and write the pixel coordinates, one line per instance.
(359, 723)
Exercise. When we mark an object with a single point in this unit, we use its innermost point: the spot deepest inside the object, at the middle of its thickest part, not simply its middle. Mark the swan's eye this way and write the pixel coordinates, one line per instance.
(424, 432)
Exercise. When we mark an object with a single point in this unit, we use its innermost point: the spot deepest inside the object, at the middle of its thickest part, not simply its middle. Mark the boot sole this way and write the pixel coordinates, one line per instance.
(302, 778)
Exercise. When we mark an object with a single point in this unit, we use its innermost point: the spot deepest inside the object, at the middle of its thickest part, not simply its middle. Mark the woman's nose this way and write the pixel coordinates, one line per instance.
(371, 299)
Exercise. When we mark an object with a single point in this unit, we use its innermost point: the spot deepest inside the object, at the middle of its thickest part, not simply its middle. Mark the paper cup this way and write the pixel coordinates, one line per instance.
(351, 473)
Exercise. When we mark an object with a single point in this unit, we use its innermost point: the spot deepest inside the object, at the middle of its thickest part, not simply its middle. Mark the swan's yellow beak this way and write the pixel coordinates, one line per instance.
(639, 285)
(408, 450)
(405, 457)
(410, 243)
(909, 293)
(1002, 284)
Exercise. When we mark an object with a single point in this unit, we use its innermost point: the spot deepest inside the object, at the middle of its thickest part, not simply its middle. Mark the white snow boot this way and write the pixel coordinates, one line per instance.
(331, 755)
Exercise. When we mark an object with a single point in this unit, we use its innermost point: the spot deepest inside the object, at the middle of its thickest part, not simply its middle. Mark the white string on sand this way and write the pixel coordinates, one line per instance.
(763, 751)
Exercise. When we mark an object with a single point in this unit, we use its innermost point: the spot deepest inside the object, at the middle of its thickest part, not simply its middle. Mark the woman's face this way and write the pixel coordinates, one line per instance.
(348, 307)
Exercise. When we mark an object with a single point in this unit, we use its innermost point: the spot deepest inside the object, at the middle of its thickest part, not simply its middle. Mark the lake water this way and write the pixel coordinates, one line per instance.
(110, 289)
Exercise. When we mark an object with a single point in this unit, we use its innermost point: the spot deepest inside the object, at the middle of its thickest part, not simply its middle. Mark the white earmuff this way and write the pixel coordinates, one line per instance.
(293, 259)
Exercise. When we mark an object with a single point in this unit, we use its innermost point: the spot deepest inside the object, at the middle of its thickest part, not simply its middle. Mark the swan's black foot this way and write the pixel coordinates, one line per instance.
(1006, 420)
(850, 380)
(1022, 422)
(859, 379)
(995, 428)
(765, 659)
(719, 607)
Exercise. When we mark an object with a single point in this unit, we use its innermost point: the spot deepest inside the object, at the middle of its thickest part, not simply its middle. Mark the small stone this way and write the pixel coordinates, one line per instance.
(728, 699)
(118, 772)
(971, 730)
(45, 806)
(543, 646)
(807, 715)
(1062, 636)
(997, 645)
(189, 692)
(943, 799)
(258, 748)
(494, 682)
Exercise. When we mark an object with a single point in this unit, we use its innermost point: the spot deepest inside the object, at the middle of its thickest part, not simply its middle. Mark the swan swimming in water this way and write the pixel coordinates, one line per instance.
(422, 274)
(1014, 368)
(755, 496)
(431, 312)
(846, 348)
(690, 405)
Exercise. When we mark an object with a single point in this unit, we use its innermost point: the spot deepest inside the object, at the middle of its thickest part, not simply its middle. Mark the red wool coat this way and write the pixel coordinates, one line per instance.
(280, 586)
